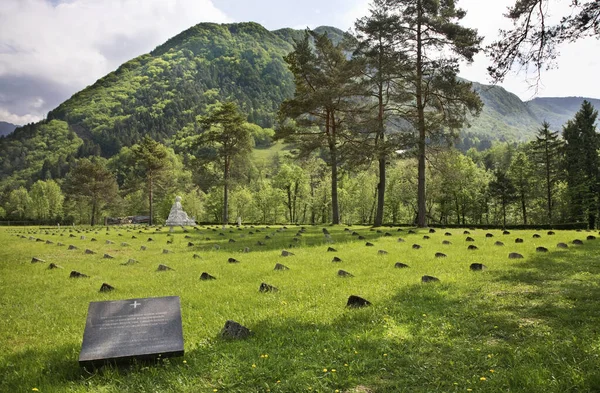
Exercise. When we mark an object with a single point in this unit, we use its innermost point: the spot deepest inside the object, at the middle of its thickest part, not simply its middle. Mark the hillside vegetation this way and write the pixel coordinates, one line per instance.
(165, 91)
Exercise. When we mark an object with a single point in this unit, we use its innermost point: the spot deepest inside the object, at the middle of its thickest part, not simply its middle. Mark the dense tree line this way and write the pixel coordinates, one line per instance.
(550, 180)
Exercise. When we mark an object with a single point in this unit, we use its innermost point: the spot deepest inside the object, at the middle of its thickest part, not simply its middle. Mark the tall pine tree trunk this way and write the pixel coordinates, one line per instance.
(226, 192)
(523, 208)
(422, 208)
(94, 203)
(150, 196)
(289, 203)
(381, 185)
(548, 185)
(335, 219)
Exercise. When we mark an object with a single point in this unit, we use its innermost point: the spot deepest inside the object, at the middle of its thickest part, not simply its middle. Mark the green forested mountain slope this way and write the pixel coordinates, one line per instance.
(163, 92)
(504, 115)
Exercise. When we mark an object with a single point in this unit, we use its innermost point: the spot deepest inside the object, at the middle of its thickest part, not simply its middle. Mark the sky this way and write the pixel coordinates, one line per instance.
(51, 49)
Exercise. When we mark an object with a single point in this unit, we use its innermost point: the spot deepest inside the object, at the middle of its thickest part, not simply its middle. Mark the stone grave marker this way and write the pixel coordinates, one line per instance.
(344, 274)
(124, 330)
(264, 287)
(207, 277)
(280, 266)
(477, 267)
(234, 331)
(357, 302)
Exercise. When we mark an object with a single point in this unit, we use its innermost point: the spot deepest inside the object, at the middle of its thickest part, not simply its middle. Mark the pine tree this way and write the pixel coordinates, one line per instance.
(547, 151)
(521, 176)
(378, 48)
(581, 164)
(225, 130)
(151, 160)
(91, 182)
(504, 190)
(428, 33)
(325, 95)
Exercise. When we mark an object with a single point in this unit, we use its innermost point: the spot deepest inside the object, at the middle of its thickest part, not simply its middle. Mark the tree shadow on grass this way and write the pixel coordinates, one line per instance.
(562, 287)
(53, 368)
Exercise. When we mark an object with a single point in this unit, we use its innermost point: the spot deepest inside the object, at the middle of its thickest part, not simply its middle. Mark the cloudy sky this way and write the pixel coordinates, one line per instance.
(50, 49)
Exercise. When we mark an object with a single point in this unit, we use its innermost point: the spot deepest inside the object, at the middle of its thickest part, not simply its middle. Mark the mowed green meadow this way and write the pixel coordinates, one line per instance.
(522, 325)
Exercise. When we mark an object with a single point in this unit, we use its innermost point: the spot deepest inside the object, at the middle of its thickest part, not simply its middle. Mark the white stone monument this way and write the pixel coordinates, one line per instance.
(177, 217)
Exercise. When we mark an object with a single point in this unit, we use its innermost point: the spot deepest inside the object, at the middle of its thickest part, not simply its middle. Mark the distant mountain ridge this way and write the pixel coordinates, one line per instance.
(558, 110)
(6, 128)
(163, 92)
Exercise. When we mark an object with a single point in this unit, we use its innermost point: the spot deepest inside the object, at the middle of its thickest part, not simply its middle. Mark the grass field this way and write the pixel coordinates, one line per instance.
(265, 156)
(523, 325)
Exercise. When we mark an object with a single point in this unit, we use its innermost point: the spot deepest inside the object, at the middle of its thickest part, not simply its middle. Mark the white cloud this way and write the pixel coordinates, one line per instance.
(18, 120)
(78, 41)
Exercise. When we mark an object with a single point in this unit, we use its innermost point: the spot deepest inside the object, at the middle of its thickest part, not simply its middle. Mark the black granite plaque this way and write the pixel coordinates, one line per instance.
(123, 330)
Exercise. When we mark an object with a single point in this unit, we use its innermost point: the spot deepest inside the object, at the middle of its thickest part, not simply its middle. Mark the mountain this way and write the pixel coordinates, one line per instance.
(163, 92)
(558, 110)
(504, 116)
(6, 128)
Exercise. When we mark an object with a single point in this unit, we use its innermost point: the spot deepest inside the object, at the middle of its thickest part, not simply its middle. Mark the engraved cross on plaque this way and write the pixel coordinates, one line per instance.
(135, 304)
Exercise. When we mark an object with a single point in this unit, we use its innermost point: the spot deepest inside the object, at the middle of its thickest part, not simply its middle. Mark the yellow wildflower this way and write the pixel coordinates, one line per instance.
(324, 370)
(35, 389)
(482, 378)
(253, 365)
(333, 370)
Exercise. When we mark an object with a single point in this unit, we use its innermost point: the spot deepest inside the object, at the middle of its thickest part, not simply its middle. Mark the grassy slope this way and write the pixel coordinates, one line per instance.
(523, 325)
(265, 156)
